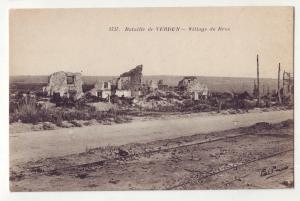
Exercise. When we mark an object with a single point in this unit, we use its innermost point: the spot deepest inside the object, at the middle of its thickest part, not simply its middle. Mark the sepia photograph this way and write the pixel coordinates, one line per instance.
(119, 99)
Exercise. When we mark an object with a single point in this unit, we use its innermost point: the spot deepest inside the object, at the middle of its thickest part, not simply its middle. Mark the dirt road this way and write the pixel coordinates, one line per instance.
(259, 156)
(38, 144)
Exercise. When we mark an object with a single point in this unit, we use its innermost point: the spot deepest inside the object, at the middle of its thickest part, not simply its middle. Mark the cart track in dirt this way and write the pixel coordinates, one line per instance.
(100, 163)
(215, 160)
(158, 149)
(230, 168)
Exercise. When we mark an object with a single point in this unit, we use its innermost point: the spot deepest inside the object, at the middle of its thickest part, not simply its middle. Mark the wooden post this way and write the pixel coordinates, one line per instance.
(278, 84)
(254, 89)
(258, 95)
(290, 83)
(283, 78)
(219, 104)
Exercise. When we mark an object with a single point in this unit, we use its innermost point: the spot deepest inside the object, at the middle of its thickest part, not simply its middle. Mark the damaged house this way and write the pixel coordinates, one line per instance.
(191, 86)
(162, 86)
(149, 86)
(64, 84)
(153, 85)
(102, 89)
(129, 84)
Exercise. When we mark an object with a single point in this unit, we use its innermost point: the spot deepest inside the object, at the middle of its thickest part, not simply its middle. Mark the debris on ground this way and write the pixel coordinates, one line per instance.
(76, 123)
(288, 183)
(82, 175)
(38, 127)
(281, 167)
(90, 122)
(266, 171)
(270, 170)
(48, 126)
(113, 181)
(66, 124)
(102, 106)
(122, 152)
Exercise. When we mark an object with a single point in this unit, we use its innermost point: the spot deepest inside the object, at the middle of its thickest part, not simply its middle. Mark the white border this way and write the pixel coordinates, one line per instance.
(5, 5)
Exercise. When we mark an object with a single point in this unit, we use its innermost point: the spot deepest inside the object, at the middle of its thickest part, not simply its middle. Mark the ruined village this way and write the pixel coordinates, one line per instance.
(129, 95)
(129, 133)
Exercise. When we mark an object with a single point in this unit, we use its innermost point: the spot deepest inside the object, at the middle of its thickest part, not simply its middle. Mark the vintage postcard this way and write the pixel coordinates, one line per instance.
(151, 98)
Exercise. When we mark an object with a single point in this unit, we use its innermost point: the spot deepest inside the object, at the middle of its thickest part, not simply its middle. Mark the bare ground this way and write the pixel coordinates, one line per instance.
(259, 156)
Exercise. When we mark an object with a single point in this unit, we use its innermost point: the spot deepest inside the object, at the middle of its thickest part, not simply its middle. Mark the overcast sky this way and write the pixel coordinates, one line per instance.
(77, 40)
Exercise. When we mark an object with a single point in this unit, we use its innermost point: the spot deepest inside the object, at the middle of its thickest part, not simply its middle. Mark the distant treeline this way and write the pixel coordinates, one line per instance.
(220, 84)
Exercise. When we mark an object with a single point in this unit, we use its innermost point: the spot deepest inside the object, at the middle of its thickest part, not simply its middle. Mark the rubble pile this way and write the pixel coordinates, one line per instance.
(129, 92)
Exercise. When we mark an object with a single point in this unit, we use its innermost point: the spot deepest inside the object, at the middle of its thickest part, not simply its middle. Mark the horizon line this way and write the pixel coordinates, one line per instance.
(160, 75)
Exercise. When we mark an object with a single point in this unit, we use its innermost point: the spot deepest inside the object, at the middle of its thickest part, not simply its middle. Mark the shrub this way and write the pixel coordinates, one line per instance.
(56, 118)
(118, 120)
(28, 112)
(13, 117)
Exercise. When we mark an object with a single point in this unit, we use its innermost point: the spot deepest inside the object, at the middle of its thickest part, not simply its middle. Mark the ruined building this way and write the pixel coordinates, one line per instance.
(153, 85)
(288, 83)
(191, 86)
(102, 89)
(162, 86)
(64, 84)
(130, 83)
(287, 91)
(149, 86)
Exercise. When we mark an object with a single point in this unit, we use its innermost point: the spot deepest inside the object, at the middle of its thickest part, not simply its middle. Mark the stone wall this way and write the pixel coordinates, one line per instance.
(123, 93)
(104, 88)
(191, 85)
(65, 84)
(131, 80)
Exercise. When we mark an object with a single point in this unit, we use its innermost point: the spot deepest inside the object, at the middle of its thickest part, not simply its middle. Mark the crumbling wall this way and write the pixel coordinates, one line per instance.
(182, 84)
(131, 80)
(101, 89)
(123, 93)
(153, 85)
(193, 86)
(65, 84)
(124, 83)
(161, 85)
(196, 86)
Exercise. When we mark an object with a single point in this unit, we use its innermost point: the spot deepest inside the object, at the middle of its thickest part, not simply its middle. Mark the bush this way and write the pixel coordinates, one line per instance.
(202, 108)
(27, 112)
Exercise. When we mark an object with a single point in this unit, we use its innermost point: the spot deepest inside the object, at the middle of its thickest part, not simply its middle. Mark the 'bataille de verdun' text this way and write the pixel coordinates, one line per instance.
(174, 29)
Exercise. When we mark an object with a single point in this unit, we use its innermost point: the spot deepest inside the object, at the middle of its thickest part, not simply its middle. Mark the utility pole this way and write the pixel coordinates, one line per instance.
(278, 84)
(258, 95)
